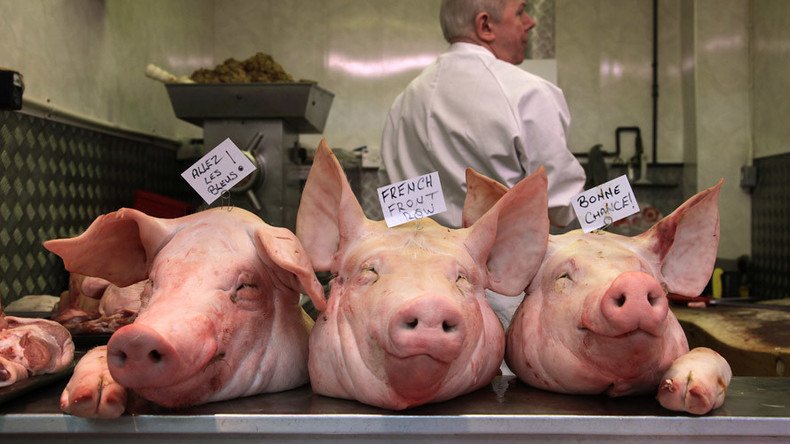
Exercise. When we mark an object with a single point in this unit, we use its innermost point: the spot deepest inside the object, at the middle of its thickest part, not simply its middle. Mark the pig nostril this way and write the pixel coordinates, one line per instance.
(120, 357)
(620, 301)
(652, 300)
(155, 356)
(447, 327)
(412, 325)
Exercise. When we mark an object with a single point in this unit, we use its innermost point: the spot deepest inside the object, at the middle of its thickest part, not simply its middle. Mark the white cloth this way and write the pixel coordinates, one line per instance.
(469, 109)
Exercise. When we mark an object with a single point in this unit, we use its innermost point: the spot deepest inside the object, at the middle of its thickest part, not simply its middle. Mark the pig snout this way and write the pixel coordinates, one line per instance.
(634, 300)
(431, 326)
(138, 356)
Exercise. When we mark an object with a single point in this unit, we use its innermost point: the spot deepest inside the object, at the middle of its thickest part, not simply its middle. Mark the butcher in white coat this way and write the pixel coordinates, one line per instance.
(473, 107)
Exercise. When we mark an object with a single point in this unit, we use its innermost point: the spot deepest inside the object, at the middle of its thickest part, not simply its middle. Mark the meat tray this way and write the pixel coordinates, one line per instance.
(35, 382)
(756, 410)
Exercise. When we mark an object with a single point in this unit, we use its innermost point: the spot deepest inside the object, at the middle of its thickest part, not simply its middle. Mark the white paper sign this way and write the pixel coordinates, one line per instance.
(412, 199)
(605, 204)
(218, 171)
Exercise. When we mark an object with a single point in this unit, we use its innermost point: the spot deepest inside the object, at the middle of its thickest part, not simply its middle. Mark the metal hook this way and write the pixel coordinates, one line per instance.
(226, 200)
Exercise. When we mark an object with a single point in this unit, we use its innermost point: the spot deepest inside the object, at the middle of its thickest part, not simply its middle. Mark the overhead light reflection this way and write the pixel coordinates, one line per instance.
(617, 70)
(378, 68)
(610, 68)
(724, 43)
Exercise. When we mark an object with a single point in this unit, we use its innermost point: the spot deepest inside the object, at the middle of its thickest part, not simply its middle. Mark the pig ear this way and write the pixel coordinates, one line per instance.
(117, 246)
(280, 247)
(686, 242)
(328, 212)
(511, 237)
(481, 194)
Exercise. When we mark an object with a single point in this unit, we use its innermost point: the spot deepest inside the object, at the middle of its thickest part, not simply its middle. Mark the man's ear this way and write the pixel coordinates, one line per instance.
(483, 27)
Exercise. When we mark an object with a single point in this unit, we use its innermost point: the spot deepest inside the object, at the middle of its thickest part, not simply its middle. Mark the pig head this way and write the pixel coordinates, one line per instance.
(406, 322)
(219, 316)
(596, 318)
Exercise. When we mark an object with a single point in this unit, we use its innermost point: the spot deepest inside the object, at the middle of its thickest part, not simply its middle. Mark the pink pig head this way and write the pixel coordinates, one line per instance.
(220, 315)
(406, 322)
(595, 319)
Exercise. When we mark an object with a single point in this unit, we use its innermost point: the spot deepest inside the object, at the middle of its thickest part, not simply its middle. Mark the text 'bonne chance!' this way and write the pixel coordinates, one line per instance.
(605, 204)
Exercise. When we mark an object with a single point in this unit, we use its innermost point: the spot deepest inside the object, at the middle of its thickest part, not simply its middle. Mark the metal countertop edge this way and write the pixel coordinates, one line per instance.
(363, 424)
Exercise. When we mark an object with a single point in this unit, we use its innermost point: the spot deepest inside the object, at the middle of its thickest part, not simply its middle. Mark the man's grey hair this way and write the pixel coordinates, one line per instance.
(457, 17)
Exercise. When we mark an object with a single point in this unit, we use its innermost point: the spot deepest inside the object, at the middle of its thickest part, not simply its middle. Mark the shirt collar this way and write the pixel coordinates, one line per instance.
(463, 47)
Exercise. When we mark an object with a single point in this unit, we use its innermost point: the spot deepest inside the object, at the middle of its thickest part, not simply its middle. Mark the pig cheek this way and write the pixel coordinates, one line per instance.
(363, 310)
(245, 323)
(558, 310)
(551, 317)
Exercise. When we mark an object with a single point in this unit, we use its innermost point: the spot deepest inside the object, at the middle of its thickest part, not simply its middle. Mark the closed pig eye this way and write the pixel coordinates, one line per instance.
(463, 284)
(145, 296)
(244, 291)
(563, 282)
(368, 275)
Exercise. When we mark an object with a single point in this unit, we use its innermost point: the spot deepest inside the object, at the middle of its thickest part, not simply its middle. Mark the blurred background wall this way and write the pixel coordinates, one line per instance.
(724, 92)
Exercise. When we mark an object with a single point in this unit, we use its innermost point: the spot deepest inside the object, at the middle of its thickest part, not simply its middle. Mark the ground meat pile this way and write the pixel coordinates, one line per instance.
(260, 68)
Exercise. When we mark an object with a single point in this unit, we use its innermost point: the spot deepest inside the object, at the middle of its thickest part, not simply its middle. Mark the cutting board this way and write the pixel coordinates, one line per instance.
(755, 341)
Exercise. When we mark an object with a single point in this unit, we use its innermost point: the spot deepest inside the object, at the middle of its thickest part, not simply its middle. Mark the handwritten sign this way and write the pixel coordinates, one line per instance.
(605, 204)
(218, 171)
(412, 199)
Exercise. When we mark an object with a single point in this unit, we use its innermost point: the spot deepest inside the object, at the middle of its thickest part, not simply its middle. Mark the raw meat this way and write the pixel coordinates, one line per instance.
(32, 347)
(595, 318)
(220, 315)
(94, 305)
(406, 322)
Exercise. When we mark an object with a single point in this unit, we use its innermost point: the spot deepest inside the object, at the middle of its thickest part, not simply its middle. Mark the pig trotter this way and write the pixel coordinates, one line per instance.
(696, 382)
(668, 386)
(92, 392)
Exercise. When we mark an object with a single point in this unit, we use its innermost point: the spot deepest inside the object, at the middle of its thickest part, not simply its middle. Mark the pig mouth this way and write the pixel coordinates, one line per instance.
(626, 355)
(637, 332)
(417, 377)
(192, 390)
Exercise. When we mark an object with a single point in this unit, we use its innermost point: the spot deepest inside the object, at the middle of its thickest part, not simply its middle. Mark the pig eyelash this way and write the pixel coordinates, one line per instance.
(145, 296)
(234, 297)
(564, 275)
(371, 269)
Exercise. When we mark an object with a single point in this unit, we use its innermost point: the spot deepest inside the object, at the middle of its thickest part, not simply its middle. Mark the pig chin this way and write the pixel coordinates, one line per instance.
(417, 379)
(194, 391)
(626, 356)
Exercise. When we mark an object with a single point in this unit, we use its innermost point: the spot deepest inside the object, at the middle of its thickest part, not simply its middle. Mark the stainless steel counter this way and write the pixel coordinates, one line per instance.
(756, 410)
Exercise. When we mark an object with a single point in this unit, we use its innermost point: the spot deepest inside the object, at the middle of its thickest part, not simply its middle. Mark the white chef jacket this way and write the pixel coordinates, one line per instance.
(469, 109)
